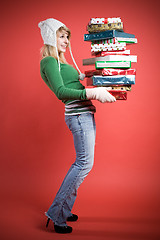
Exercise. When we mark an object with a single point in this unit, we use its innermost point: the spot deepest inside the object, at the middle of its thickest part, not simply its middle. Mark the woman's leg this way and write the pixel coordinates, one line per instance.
(83, 130)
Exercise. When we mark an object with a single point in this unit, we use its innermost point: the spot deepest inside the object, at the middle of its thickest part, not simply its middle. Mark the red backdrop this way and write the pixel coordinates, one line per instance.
(36, 145)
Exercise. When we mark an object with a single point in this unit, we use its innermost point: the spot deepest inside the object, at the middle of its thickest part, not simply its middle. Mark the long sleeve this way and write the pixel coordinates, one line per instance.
(51, 75)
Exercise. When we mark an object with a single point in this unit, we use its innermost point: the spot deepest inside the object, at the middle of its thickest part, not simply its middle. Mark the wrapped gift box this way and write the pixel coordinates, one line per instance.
(112, 64)
(112, 80)
(125, 52)
(104, 27)
(104, 20)
(104, 41)
(121, 88)
(106, 35)
(115, 40)
(112, 60)
(118, 94)
(108, 47)
(102, 54)
(91, 61)
(127, 87)
(110, 72)
(90, 73)
(127, 40)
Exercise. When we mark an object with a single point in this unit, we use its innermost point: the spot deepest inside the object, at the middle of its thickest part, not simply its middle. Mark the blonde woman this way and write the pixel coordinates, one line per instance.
(64, 81)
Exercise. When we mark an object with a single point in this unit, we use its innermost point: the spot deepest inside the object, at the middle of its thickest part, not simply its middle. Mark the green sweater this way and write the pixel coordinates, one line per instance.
(65, 84)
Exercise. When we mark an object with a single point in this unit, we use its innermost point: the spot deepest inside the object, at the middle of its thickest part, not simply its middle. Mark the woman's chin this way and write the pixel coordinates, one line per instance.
(62, 50)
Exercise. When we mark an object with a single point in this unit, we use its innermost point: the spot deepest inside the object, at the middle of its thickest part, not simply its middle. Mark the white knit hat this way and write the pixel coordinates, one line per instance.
(48, 32)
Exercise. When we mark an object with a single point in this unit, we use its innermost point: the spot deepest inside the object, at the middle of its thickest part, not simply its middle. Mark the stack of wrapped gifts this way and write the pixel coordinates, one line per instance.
(110, 57)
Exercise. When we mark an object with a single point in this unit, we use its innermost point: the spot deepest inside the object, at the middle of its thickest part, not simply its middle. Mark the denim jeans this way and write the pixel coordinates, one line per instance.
(83, 129)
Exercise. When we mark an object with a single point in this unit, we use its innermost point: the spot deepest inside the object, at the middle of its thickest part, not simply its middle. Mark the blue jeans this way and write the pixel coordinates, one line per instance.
(83, 129)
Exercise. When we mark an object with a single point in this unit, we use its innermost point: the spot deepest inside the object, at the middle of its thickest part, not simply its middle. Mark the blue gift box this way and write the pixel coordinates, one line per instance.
(106, 35)
(113, 80)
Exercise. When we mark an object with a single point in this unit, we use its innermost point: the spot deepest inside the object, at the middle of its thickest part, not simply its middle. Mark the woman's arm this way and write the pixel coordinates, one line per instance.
(55, 82)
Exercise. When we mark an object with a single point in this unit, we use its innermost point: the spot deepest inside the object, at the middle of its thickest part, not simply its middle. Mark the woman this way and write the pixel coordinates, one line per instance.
(63, 80)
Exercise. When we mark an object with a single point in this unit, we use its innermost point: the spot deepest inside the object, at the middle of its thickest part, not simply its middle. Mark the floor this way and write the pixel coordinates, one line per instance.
(23, 221)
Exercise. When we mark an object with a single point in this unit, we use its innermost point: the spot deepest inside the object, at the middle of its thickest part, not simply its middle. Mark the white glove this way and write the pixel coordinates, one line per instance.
(99, 93)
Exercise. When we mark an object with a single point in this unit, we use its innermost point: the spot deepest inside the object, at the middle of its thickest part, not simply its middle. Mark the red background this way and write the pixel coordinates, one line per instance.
(121, 195)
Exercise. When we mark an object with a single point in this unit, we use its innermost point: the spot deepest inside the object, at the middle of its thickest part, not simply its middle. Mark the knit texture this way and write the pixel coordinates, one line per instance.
(48, 30)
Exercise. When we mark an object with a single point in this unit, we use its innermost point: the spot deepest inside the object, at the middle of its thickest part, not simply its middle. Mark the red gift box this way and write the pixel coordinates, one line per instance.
(110, 72)
(119, 95)
(90, 73)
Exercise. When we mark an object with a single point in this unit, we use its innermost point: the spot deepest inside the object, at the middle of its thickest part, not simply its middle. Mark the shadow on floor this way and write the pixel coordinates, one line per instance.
(101, 230)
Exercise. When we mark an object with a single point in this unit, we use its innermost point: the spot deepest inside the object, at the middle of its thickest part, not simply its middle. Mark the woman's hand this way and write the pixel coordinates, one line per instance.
(100, 93)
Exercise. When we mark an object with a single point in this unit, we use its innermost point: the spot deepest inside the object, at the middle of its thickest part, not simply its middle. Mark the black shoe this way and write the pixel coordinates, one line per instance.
(72, 218)
(62, 229)
(47, 222)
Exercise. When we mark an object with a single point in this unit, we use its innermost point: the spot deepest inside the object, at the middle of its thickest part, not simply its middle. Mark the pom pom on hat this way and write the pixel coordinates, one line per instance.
(82, 76)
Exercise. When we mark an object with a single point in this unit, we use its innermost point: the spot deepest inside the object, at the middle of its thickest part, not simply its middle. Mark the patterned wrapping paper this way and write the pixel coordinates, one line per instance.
(115, 40)
(121, 88)
(112, 60)
(112, 64)
(119, 95)
(110, 72)
(105, 41)
(112, 80)
(104, 20)
(89, 82)
(108, 47)
(106, 35)
(104, 27)
(91, 61)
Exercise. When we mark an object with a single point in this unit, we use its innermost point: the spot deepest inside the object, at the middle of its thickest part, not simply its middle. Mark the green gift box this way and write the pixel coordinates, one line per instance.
(112, 64)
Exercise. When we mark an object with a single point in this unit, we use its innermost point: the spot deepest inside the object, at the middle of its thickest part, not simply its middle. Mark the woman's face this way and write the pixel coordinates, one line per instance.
(62, 41)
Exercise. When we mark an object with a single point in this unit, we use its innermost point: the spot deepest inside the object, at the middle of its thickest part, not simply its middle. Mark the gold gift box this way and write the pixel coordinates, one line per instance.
(104, 27)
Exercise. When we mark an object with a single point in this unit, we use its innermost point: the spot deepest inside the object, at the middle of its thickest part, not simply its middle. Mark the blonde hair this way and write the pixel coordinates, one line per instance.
(48, 50)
